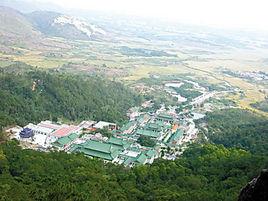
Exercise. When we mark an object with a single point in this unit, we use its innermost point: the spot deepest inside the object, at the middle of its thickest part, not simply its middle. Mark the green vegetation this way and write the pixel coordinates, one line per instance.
(203, 173)
(238, 128)
(222, 102)
(187, 92)
(263, 105)
(146, 141)
(16, 67)
(36, 95)
(144, 52)
(105, 132)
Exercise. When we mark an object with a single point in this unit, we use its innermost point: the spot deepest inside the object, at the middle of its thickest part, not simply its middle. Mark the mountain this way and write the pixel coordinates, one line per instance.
(15, 28)
(60, 25)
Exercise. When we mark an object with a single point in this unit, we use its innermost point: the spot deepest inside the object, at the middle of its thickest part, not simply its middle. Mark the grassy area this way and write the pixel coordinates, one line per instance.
(251, 94)
(90, 55)
(144, 71)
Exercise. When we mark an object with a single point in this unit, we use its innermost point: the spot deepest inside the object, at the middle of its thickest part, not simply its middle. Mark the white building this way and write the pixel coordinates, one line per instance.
(104, 124)
(40, 129)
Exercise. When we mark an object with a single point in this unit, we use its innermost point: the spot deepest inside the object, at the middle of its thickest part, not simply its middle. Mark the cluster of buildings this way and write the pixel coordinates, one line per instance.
(252, 75)
(165, 129)
(120, 147)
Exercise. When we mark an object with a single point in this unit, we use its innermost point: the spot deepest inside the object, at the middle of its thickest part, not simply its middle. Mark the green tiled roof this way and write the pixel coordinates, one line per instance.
(176, 136)
(140, 118)
(136, 149)
(165, 116)
(98, 154)
(153, 126)
(129, 160)
(160, 123)
(98, 146)
(167, 126)
(73, 147)
(118, 142)
(61, 142)
(128, 125)
(98, 149)
(148, 133)
(141, 159)
(151, 153)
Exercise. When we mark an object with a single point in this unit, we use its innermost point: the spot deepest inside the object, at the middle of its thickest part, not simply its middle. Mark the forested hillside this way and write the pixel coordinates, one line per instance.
(203, 173)
(36, 95)
(238, 128)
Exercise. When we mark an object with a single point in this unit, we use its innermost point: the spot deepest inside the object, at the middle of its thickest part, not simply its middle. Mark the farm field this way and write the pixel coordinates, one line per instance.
(134, 58)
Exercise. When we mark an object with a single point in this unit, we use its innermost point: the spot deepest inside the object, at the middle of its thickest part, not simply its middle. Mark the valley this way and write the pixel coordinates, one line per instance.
(103, 107)
(124, 57)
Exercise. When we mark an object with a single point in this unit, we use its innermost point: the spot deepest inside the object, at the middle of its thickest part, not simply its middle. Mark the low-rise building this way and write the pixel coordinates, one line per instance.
(144, 157)
(64, 142)
(129, 127)
(65, 131)
(49, 124)
(97, 149)
(26, 133)
(105, 125)
(119, 143)
(148, 133)
(164, 117)
(176, 137)
(39, 129)
(87, 124)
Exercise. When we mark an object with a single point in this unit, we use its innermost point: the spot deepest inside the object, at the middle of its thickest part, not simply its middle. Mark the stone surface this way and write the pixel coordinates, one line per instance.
(257, 189)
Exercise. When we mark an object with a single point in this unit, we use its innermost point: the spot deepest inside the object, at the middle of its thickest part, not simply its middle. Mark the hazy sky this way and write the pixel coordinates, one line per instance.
(228, 13)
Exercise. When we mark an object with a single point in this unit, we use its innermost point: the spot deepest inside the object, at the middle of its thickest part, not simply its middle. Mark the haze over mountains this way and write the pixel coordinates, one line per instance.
(82, 24)
(96, 106)
(48, 23)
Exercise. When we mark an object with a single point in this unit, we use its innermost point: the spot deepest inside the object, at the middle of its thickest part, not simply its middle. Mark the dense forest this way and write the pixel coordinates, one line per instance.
(207, 172)
(204, 172)
(35, 95)
(238, 128)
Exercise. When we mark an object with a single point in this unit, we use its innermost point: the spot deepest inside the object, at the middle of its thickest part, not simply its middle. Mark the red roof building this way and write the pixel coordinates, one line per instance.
(65, 131)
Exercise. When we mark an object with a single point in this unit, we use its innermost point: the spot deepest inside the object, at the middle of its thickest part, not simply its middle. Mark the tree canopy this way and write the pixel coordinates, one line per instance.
(207, 172)
(36, 95)
(238, 128)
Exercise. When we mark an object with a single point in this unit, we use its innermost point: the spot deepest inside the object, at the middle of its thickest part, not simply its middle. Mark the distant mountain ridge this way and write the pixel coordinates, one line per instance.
(60, 25)
(16, 27)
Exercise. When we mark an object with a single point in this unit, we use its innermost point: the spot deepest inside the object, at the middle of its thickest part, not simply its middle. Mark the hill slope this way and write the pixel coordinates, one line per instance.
(203, 173)
(60, 25)
(15, 28)
(35, 96)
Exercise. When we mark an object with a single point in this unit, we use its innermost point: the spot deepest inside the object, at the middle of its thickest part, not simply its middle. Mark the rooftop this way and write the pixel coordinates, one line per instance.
(165, 116)
(128, 125)
(64, 131)
(98, 149)
(102, 124)
(61, 142)
(49, 124)
(148, 133)
(141, 158)
(86, 124)
(119, 142)
(176, 136)
(39, 128)
(151, 153)
(153, 126)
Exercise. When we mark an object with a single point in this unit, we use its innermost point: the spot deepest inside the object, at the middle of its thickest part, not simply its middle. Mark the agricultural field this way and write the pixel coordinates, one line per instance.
(131, 57)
